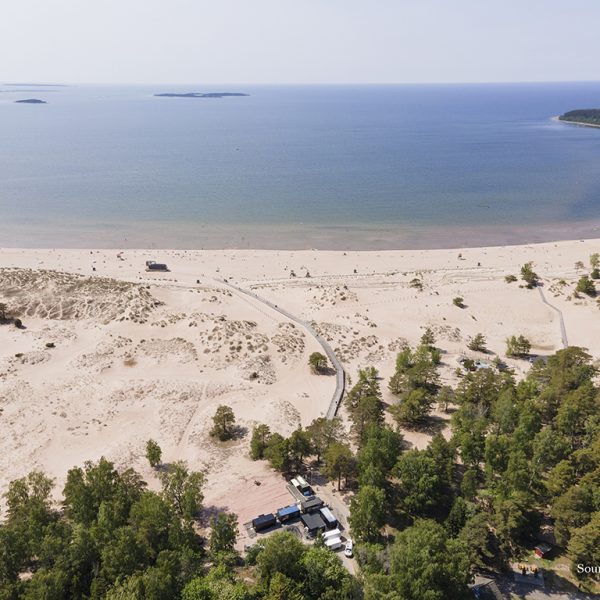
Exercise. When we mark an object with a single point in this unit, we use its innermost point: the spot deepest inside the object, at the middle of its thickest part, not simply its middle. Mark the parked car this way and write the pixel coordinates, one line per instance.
(348, 550)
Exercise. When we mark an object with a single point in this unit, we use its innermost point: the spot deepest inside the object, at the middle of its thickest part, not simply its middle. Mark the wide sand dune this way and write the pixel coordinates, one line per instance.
(140, 355)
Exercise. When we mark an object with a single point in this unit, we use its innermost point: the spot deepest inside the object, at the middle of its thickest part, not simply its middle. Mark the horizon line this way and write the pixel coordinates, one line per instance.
(14, 83)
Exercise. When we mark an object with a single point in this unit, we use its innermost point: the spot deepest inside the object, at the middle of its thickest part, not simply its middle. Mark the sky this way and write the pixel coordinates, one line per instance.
(298, 41)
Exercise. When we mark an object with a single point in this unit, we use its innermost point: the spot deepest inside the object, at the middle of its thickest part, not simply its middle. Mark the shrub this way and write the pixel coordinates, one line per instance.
(259, 442)
(18, 323)
(586, 286)
(510, 278)
(529, 276)
(459, 301)
(317, 362)
(517, 346)
(477, 343)
(223, 423)
(153, 453)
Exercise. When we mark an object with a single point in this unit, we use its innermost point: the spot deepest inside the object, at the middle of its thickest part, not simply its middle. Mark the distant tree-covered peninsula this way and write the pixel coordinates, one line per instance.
(586, 116)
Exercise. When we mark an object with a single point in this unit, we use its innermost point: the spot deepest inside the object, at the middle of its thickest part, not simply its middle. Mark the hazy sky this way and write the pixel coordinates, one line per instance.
(298, 41)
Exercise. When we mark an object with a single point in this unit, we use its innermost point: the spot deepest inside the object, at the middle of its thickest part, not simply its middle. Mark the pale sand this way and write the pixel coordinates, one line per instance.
(154, 359)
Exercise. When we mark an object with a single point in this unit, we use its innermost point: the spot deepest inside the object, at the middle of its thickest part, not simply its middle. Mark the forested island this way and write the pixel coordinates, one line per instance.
(584, 116)
(30, 101)
(201, 95)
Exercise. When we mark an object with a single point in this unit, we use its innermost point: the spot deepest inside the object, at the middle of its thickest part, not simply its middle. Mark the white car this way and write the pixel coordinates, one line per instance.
(348, 549)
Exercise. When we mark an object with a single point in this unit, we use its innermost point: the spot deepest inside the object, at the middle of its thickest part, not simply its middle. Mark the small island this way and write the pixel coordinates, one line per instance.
(583, 116)
(201, 95)
(31, 101)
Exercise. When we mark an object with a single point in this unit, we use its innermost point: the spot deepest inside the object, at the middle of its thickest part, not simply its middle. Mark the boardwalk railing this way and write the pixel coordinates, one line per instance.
(561, 321)
(340, 376)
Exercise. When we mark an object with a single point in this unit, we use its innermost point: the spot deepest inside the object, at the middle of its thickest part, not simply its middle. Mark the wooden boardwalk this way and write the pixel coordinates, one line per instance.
(340, 375)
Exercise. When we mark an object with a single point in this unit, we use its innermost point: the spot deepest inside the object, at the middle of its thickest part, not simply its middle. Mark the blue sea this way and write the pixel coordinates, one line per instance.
(390, 166)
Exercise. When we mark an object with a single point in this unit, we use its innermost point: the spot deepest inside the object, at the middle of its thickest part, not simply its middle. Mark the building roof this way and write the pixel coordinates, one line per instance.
(327, 515)
(288, 510)
(313, 522)
(311, 503)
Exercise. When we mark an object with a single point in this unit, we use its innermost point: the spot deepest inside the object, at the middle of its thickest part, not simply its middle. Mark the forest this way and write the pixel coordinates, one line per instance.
(523, 456)
(590, 116)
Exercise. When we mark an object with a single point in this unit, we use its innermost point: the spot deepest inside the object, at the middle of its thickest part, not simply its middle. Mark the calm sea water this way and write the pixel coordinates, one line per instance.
(324, 166)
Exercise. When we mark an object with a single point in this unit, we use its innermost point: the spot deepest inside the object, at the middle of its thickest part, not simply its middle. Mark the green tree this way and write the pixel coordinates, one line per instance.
(476, 535)
(323, 432)
(326, 577)
(584, 547)
(339, 462)
(529, 276)
(100, 483)
(515, 520)
(428, 338)
(426, 564)
(282, 553)
(299, 447)
(223, 534)
(586, 286)
(414, 369)
(197, 589)
(413, 408)
(421, 483)
(517, 346)
(459, 513)
(477, 343)
(153, 453)
(283, 588)
(364, 402)
(595, 260)
(367, 513)
(277, 453)
(182, 489)
(445, 397)
(317, 362)
(469, 484)
(378, 455)
(260, 440)
(223, 423)
(571, 511)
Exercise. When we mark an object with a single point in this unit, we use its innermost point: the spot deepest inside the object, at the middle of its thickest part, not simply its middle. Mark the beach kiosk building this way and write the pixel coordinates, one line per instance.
(287, 513)
(303, 486)
(312, 504)
(328, 517)
(263, 522)
(313, 524)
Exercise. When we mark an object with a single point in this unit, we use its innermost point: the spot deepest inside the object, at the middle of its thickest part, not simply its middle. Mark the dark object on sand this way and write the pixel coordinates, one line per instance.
(152, 265)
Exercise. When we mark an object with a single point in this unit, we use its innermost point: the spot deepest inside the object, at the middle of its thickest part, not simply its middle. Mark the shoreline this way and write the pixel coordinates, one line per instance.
(4, 250)
(580, 123)
(290, 237)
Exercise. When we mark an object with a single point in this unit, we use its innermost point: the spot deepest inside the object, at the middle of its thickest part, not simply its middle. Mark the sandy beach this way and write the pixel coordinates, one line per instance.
(139, 355)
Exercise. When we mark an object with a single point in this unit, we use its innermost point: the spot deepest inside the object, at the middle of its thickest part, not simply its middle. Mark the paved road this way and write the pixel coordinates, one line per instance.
(340, 376)
(563, 331)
